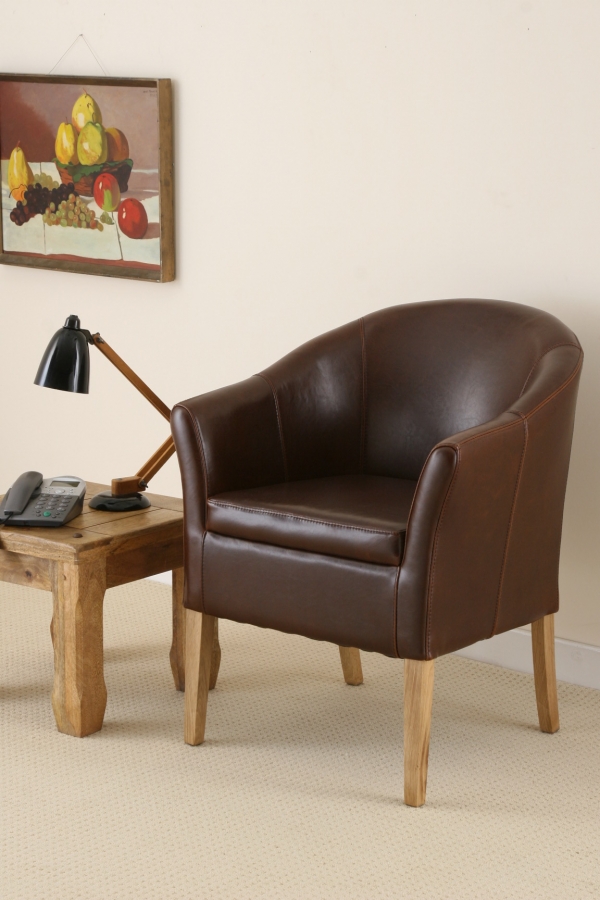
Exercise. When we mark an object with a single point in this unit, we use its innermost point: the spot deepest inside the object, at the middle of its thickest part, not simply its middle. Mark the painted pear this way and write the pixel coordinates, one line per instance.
(91, 145)
(65, 145)
(20, 175)
(85, 110)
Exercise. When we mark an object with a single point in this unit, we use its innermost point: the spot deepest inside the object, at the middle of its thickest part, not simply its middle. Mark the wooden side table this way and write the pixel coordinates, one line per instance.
(77, 562)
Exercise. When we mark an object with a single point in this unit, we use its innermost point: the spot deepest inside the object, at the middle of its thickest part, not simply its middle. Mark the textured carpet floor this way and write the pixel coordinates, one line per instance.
(297, 791)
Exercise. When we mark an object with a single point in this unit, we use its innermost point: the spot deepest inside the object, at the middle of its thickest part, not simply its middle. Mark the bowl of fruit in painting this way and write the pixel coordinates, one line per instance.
(92, 162)
(85, 149)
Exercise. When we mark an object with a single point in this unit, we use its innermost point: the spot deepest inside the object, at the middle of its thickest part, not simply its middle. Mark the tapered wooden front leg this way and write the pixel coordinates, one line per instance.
(418, 699)
(177, 653)
(199, 640)
(79, 693)
(544, 671)
(351, 666)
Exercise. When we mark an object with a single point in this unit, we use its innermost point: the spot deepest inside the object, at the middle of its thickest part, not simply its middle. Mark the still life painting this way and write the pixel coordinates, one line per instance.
(86, 171)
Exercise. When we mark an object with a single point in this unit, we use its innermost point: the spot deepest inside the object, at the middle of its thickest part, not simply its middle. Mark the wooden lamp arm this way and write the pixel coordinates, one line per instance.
(138, 482)
(130, 375)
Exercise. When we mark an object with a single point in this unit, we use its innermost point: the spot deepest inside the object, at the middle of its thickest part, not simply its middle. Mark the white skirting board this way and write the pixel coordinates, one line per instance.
(164, 578)
(575, 663)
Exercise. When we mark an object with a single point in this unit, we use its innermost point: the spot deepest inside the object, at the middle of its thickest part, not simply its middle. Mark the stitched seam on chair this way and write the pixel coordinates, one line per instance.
(457, 448)
(555, 393)
(268, 512)
(279, 425)
(554, 346)
(363, 412)
(434, 555)
(510, 525)
(202, 572)
(396, 612)
(482, 434)
(520, 415)
(202, 454)
(412, 502)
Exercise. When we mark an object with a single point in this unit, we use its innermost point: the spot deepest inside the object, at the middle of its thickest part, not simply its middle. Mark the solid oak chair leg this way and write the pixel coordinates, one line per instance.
(199, 641)
(177, 653)
(215, 661)
(418, 698)
(544, 671)
(351, 666)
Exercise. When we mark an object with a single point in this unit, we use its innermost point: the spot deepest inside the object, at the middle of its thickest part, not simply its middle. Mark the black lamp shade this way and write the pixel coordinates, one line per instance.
(65, 365)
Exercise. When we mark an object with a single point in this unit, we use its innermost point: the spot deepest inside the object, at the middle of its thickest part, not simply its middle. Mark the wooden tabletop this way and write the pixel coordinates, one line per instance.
(157, 530)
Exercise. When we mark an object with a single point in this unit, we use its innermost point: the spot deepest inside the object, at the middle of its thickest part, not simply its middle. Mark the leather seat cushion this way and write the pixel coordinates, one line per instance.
(361, 517)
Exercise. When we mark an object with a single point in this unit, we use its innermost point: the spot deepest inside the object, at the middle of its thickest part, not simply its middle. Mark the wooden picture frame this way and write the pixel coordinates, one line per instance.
(149, 256)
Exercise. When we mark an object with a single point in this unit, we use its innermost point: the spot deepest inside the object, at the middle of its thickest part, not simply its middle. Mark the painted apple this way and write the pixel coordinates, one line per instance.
(118, 146)
(133, 218)
(107, 193)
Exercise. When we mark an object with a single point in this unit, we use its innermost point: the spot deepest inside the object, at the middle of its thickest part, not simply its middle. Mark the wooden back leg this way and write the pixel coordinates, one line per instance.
(544, 672)
(418, 699)
(351, 666)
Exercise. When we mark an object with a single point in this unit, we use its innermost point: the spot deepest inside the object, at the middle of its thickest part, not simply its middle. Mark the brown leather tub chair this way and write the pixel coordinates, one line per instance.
(395, 485)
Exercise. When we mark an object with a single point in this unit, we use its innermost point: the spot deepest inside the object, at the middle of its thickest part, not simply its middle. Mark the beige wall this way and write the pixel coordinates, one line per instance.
(333, 157)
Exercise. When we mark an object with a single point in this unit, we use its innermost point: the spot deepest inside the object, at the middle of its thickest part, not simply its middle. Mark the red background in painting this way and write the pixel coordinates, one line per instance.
(30, 112)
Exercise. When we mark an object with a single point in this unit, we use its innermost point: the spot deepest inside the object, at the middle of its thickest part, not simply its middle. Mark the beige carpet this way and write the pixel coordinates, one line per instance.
(297, 791)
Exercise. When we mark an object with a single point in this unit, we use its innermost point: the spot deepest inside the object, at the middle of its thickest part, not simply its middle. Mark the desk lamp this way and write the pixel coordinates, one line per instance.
(65, 366)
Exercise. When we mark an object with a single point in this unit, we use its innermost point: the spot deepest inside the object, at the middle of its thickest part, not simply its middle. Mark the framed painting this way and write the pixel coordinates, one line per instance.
(87, 175)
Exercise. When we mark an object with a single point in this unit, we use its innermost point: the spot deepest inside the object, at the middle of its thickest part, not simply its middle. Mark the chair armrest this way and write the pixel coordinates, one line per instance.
(235, 431)
(226, 440)
(456, 536)
(483, 537)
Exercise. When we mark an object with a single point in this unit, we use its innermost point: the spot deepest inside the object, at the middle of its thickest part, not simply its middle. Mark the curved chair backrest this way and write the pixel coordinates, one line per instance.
(388, 388)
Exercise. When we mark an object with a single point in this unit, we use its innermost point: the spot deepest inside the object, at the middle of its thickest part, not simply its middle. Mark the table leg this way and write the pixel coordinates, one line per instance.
(177, 653)
(79, 693)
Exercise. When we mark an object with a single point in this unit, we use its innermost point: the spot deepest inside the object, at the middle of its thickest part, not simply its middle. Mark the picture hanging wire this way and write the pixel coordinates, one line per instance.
(70, 47)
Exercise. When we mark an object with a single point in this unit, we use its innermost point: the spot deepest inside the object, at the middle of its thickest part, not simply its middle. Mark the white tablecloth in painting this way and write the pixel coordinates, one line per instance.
(89, 244)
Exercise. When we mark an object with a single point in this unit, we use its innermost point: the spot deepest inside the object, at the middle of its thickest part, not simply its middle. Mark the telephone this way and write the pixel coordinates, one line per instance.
(35, 500)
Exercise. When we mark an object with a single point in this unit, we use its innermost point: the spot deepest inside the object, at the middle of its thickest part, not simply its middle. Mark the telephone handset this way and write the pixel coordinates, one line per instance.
(35, 500)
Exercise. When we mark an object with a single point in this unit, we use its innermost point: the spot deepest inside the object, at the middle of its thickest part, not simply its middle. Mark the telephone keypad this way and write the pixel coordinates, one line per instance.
(50, 506)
